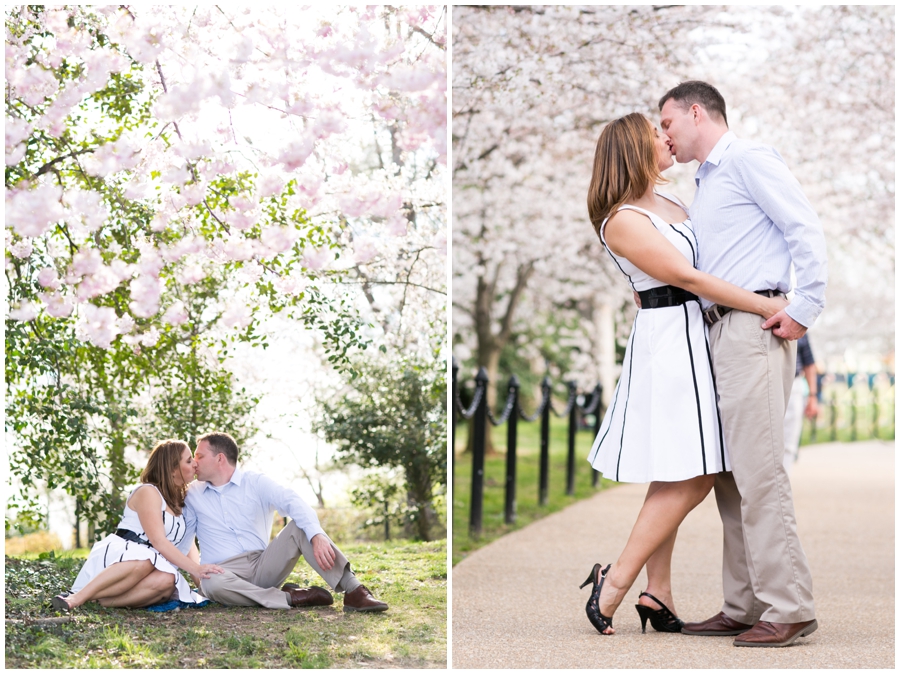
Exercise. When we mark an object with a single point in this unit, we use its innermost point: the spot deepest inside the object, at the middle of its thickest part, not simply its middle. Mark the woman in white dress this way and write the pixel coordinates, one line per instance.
(136, 566)
(663, 425)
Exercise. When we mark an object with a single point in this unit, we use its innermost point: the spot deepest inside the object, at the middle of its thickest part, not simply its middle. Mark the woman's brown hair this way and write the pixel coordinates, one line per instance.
(625, 165)
(163, 461)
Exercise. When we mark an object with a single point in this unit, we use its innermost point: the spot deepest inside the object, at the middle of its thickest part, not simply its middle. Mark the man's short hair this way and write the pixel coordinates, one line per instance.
(222, 443)
(688, 93)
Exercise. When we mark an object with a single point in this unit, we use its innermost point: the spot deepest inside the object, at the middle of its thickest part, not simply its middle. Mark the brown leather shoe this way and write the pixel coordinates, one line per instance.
(362, 600)
(307, 596)
(774, 635)
(717, 626)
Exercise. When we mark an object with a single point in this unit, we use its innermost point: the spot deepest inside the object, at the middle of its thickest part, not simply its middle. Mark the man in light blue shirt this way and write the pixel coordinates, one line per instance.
(231, 512)
(752, 223)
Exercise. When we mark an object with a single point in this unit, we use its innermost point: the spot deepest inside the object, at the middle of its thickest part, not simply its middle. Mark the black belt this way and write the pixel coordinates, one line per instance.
(129, 535)
(665, 296)
(717, 311)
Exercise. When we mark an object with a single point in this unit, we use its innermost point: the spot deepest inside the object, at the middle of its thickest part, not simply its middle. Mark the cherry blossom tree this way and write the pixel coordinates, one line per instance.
(534, 85)
(177, 175)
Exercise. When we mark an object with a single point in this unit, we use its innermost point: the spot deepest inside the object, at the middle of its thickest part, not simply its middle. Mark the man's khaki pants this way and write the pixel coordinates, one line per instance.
(254, 578)
(764, 570)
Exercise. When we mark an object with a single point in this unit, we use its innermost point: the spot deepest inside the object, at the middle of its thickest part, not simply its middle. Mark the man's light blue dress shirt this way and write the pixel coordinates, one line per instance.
(752, 220)
(237, 517)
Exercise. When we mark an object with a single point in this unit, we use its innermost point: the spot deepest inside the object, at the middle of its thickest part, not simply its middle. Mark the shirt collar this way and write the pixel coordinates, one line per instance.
(715, 155)
(236, 477)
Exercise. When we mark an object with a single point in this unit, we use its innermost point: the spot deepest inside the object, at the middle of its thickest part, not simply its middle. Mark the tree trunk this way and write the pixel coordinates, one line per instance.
(418, 483)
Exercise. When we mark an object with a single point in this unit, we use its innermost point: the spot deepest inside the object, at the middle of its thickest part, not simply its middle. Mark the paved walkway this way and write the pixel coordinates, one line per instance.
(516, 601)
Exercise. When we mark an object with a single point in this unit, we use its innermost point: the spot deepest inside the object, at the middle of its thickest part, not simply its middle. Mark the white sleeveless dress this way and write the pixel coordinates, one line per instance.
(663, 423)
(113, 549)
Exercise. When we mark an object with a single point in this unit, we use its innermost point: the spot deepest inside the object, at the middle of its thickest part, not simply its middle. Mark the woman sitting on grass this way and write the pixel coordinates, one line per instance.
(136, 566)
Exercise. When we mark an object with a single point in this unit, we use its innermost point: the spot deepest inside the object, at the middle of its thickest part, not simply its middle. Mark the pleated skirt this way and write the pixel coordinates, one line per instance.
(663, 423)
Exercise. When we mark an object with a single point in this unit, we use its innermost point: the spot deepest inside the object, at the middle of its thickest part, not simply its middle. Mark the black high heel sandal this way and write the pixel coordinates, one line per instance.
(59, 602)
(598, 620)
(663, 620)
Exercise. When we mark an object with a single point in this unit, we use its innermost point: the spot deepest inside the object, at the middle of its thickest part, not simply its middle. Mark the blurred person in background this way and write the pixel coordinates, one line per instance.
(804, 401)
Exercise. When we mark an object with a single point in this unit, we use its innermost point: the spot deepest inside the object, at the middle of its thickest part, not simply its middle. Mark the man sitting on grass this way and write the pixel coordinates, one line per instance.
(231, 512)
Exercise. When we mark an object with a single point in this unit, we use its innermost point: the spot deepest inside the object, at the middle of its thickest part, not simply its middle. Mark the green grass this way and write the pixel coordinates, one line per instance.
(411, 577)
(527, 476)
(842, 419)
(837, 397)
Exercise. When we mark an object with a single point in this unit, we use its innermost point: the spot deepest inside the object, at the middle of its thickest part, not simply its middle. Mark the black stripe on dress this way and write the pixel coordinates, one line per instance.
(693, 253)
(175, 539)
(105, 552)
(712, 374)
(687, 332)
(612, 412)
(627, 393)
(619, 266)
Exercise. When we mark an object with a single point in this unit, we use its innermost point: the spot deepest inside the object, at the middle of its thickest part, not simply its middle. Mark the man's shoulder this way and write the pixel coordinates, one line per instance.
(743, 151)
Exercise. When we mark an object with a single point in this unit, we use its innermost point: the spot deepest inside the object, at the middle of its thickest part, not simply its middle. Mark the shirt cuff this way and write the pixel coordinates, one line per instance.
(805, 313)
(313, 530)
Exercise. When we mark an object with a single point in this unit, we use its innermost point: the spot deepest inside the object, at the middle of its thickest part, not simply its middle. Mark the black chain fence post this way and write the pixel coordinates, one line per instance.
(480, 430)
(573, 429)
(511, 431)
(455, 393)
(598, 419)
(545, 442)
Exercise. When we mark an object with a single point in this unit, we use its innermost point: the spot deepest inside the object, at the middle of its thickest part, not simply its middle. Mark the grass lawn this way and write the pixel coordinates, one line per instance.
(411, 577)
(527, 472)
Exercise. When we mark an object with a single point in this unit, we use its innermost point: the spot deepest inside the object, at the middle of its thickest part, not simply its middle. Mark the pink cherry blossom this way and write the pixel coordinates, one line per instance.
(26, 311)
(57, 305)
(296, 153)
(269, 185)
(86, 261)
(176, 314)
(279, 239)
(48, 278)
(100, 282)
(33, 212)
(87, 207)
(97, 325)
(241, 220)
(145, 295)
(16, 130)
(192, 272)
(125, 324)
(365, 248)
(236, 315)
(316, 258)
(291, 284)
(239, 250)
(16, 154)
(193, 194)
(150, 338)
(34, 84)
(21, 249)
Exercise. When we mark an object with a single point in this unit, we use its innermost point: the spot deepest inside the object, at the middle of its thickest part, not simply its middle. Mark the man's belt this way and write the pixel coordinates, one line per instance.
(129, 535)
(665, 296)
(717, 311)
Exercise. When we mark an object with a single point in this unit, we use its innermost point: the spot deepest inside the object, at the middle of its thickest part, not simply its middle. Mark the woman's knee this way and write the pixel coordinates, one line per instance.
(145, 567)
(161, 581)
(701, 486)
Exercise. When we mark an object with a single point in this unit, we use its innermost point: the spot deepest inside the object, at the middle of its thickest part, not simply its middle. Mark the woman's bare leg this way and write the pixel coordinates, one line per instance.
(659, 569)
(153, 589)
(113, 580)
(663, 511)
(659, 575)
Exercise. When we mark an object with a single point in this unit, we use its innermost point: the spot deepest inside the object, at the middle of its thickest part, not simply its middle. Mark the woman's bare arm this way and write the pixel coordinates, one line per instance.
(148, 505)
(632, 236)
